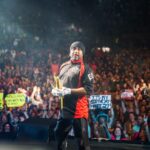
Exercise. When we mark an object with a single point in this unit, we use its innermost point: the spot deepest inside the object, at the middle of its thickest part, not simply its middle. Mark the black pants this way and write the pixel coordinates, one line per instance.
(80, 127)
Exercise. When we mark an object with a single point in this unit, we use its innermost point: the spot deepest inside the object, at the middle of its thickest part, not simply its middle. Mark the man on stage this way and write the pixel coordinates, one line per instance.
(77, 80)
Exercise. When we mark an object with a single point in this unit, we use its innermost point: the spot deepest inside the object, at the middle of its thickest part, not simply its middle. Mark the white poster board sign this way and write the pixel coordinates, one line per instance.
(100, 102)
(127, 95)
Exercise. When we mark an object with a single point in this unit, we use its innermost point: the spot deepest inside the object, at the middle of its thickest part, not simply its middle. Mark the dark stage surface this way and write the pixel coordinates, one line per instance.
(34, 145)
(37, 134)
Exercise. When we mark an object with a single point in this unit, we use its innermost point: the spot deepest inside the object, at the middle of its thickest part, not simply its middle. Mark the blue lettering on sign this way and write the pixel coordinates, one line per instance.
(100, 102)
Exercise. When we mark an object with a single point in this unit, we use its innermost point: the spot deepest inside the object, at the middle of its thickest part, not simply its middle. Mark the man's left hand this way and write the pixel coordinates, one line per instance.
(61, 92)
(66, 91)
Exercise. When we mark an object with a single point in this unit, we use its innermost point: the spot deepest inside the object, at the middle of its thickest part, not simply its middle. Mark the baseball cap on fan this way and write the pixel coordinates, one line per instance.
(79, 45)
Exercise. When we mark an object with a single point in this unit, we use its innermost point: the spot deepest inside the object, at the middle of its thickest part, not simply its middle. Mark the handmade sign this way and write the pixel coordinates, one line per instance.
(100, 102)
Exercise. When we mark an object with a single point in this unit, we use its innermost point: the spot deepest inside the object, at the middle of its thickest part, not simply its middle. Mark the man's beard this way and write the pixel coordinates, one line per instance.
(75, 57)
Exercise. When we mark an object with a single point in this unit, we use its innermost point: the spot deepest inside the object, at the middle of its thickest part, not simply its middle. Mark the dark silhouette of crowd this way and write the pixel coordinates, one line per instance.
(31, 73)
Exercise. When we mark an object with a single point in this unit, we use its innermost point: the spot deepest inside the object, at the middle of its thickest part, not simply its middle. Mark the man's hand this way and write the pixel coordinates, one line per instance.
(66, 91)
(61, 92)
(57, 92)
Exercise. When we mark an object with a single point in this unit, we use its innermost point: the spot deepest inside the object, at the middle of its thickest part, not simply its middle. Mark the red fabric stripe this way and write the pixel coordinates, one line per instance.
(82, 102)
(81, 108)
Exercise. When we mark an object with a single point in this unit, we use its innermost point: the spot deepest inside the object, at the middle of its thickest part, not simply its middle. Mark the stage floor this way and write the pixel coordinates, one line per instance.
(34, 145)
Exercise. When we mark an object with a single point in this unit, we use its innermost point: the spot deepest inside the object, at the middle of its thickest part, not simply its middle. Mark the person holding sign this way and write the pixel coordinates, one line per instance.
(76, 78)
(35, 97)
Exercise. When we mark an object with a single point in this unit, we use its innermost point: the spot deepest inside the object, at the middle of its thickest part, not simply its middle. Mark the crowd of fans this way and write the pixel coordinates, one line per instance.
(31, 73)
(130, 116)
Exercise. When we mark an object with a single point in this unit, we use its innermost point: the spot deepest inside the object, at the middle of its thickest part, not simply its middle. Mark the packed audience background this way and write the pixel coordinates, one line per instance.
(31, 73)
